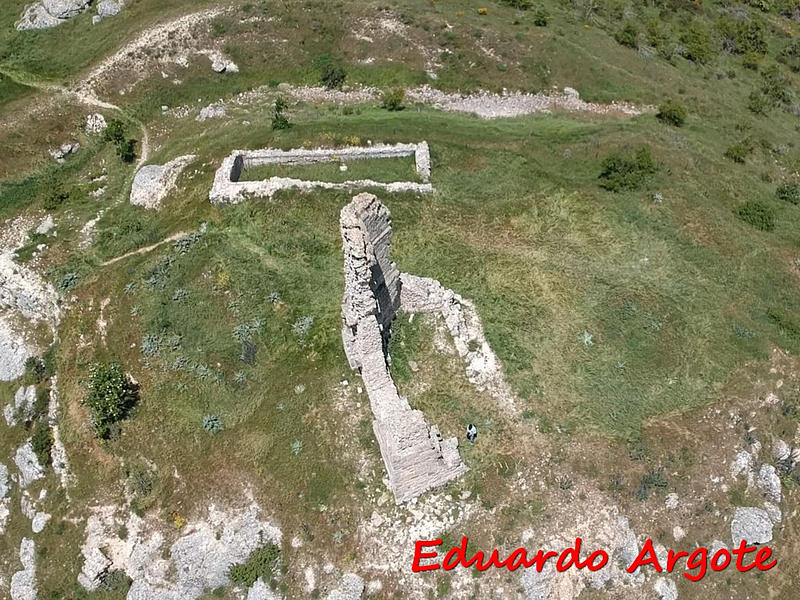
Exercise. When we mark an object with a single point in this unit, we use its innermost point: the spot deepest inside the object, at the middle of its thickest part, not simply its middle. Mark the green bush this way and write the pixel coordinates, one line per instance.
(628, 35)
(775, 85)
(789, 192)
(541, 18)
(333, 76)
(739, 151)
(758, 214)
(127, 150)
(279, 120)
(697, 41)
(519, 4)
(263, 563)
(112, 395)
(757, 103)
(42, 442)
(393, 99)
(34, 369)
(672, 112)
(752, 60)
(627, 170)
(116, 133)
(790, 56)
(55, 200)
(742, 36)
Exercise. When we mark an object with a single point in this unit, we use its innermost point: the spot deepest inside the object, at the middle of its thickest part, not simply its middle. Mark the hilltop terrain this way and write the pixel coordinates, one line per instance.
(593, 209)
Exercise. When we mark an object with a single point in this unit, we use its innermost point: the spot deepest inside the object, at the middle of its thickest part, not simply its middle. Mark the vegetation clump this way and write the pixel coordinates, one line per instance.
(112, 396)
(672, 112)
(789, 192)
(42, 442)
(333, 76)
(626, 170)
(628, 35)
(393, 99)
(212, 424)
(739, 151)
(263, 563)
(116, 134)
(758, 214)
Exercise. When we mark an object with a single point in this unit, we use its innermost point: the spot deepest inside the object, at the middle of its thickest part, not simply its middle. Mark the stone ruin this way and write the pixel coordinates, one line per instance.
(417, 459)
(228, 189)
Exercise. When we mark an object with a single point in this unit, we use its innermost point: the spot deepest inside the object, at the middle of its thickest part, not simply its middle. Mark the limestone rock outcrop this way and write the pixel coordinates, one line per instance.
(50, 13)
(417, 459)
(153, 183)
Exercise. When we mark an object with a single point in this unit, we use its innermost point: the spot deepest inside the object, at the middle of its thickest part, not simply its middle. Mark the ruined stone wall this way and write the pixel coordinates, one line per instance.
(228, 189)
(416, 457)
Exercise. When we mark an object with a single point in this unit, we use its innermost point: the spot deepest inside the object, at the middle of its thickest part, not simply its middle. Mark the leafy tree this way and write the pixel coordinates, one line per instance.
(333, 76)
(112, 395)
(697, 41)
(279, 120)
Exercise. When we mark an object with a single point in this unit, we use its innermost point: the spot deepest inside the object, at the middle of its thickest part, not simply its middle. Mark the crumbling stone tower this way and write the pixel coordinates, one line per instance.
(416, 457)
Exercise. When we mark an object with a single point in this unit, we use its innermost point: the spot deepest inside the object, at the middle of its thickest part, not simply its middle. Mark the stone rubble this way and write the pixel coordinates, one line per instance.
(58, 453)
(107, 8)
(666, 589)
(23, 583)
(153, 183)
(212, 111)
(425, 295)
(228, 189)
(261, 591)
(770, 483)
(416, 457)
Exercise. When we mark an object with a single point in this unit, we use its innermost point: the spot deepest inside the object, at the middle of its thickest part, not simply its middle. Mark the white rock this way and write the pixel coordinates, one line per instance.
(350, 588)
(153, 183)
(781, 450)
(60, 154)
(5, 482)
(29, 468)
(751, 524)
(260, 591)
(95, 123)
(742, 464)
(39, 522)
(50, 13)
(678, 533)
(666, 589)
(770, 483)
(212, 111)
(109, 8)
(23, 583)
(672, 501)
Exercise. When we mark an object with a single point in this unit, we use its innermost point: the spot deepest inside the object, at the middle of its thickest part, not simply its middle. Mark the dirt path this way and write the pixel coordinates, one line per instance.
(173, 238)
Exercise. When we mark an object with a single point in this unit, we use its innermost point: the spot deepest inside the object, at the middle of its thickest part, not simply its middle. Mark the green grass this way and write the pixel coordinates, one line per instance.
(383, 170)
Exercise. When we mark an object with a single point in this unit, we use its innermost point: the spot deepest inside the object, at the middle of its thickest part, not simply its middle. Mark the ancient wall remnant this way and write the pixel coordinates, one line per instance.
(228, 189)
(416, 457)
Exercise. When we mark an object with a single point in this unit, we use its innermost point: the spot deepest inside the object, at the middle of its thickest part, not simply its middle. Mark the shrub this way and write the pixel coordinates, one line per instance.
(741, 36)
(115, 132)
(55, 199)
(393, 99)
(790, 56)
(212, 424)
(672, 112)
(34, 369)
(333, 76)
(279, 120)
(126, 150)
(752, 60)
(263, 563)
(628, 35)
(758, 214)
(740, 151)
(627, 170)
(519, 4)
(541, 18)
(141, 481)
(116, 582)
(42, 442)
(112, 396)
(789, 192)
(775, 85)
(757, 103)
(697, 41)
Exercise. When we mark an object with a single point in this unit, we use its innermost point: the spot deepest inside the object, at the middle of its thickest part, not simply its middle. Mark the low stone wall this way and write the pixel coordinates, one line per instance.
(228, 189)
(417, 459)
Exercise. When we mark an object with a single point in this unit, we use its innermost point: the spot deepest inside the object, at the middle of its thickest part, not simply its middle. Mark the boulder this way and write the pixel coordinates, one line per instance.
(153, 183)
(751, 524)
(109, 8)
(23, 583)
(95, 123)
(770, 483)
(50, 13)
(213, 111)
(29, 468)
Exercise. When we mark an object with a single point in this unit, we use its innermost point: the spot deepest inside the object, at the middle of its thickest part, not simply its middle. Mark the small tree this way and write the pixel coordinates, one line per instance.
(672, 112)
(279, 120)
(393, 99)
(112, 395)
(627, 170)
(628, 35)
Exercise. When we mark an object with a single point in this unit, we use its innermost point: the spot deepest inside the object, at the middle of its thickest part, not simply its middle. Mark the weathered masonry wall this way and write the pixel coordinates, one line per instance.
(228, 189)
(417, 459)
